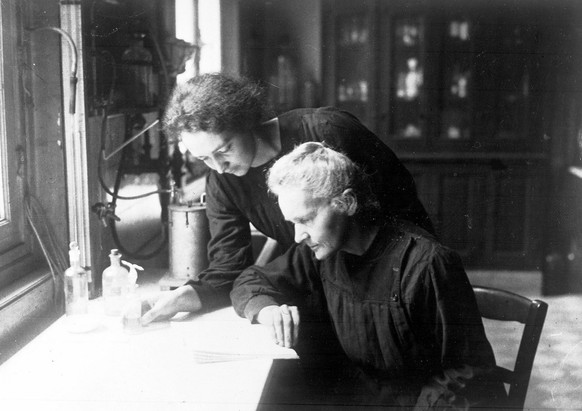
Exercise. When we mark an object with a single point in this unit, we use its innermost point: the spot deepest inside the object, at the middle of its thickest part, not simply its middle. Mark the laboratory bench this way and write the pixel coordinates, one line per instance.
(212, 361)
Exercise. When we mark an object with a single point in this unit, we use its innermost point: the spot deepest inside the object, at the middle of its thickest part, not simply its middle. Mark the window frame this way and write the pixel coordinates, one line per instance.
(15, 244)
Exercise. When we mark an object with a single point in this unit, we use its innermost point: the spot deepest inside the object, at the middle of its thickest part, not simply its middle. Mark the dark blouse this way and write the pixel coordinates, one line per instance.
(404, 311)
(233, 202)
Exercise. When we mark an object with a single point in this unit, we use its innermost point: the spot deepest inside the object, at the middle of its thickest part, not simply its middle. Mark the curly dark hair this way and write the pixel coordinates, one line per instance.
(215, 102)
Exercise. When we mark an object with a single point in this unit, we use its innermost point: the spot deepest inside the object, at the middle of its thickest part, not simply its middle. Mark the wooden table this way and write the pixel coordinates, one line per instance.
(215, 361)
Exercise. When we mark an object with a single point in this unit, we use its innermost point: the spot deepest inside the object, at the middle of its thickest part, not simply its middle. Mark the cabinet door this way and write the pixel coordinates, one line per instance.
(504, 76)
(459, 78)
(452, 195)
(515, 216)
(489, 212)
(462, 213)
(349, 74)
(407, 88)
(352, 85)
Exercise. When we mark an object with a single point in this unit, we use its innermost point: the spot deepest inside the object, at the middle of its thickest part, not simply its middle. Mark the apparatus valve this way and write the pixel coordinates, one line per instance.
(105, 212)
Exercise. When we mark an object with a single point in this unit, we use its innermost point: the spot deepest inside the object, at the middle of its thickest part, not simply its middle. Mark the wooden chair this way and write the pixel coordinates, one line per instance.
(503, 305)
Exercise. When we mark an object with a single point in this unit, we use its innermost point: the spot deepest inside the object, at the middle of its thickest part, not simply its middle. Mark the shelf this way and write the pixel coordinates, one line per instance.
(522, 157)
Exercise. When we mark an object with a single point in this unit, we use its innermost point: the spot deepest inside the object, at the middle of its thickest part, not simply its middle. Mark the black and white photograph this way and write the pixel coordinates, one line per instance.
(279, 205)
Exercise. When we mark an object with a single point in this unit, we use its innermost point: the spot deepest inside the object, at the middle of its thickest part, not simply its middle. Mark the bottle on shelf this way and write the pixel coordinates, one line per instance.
(76, 292)
(115, 283)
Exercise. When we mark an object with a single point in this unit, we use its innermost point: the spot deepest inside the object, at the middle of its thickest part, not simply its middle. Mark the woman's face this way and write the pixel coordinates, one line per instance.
(225, 152)
(318, 224)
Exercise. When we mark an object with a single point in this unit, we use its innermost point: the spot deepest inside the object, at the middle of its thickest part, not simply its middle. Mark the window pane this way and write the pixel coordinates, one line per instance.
(12, 237)
(4, 195)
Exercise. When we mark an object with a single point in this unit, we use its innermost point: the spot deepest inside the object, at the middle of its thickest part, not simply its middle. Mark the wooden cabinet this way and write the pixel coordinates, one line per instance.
(460, 79)
(456, 90)
(355, 61)
(491, 212)
(350, 57)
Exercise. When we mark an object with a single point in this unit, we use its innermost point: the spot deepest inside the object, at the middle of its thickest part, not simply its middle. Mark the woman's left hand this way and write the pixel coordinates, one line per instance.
(283, 322)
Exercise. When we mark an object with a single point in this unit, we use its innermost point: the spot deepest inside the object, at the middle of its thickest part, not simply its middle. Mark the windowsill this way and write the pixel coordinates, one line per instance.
(26, 308)
(18, 288)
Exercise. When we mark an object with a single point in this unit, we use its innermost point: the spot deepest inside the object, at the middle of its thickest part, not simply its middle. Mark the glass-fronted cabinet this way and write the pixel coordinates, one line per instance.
(505, 57)
(353, 51)
(408, 65)
(459, 80)
(350, 58)
(456, 89)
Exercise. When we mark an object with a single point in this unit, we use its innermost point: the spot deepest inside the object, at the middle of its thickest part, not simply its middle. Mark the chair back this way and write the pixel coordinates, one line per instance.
(501, 305)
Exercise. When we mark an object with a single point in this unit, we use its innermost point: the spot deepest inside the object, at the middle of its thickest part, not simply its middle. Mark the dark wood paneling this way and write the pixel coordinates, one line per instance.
(491, 216)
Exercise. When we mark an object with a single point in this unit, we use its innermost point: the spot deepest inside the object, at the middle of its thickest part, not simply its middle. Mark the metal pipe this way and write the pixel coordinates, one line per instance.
(118, 149)
(73, 78)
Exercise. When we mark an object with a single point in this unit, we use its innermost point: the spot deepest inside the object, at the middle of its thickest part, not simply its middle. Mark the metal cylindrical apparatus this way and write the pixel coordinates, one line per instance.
(189, 236)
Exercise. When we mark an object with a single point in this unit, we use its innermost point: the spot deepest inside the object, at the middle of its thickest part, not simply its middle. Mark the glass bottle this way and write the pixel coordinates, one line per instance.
(114, 281)
(76, 291)
(137, 73)
(131, 313)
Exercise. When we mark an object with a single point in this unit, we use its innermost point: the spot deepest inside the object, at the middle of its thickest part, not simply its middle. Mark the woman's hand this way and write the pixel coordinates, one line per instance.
(169, 303)
(283, 322)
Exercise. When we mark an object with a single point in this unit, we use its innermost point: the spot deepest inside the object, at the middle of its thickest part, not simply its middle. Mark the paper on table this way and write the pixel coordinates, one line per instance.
(204, 354)
(206, 357)
(233, 339)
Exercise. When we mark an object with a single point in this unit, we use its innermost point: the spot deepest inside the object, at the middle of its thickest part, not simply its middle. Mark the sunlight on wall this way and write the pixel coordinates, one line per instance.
(208, 22)
(210, 59)
(185, 24)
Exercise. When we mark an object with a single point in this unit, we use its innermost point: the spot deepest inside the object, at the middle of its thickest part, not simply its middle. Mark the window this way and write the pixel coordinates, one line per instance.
(32, 171)
(13, 246)
(198, 22)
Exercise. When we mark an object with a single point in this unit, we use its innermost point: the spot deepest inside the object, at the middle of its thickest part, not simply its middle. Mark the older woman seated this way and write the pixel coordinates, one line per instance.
(400, 302)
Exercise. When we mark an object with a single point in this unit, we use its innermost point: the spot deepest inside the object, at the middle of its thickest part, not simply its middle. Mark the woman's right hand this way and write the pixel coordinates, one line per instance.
(169, 303)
